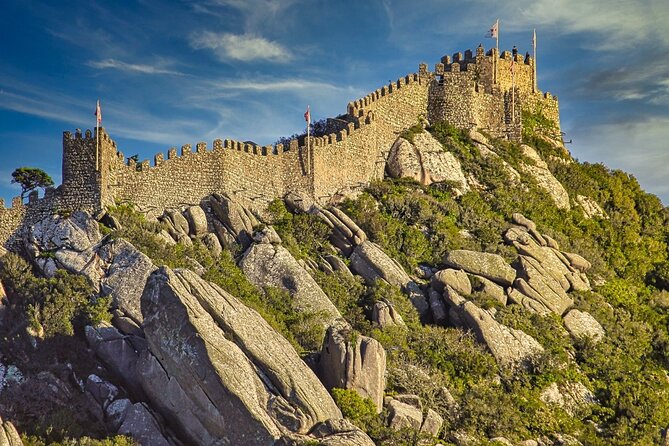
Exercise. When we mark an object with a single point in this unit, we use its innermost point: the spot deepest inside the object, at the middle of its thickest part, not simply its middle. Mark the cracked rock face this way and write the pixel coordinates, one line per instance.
(352, 361)
(426, 161)
(222, 368)
(266, 264)
(490, 266)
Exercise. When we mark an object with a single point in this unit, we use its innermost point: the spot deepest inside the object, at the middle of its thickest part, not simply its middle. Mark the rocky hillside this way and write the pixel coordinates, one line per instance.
(486, 292)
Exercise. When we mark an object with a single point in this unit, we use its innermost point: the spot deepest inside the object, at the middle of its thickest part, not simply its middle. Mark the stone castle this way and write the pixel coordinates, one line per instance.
(480, 90)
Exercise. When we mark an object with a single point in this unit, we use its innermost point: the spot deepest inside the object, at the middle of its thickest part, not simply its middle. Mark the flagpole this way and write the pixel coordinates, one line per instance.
(97, 137)
(308, 140)
(513, 93)
(497, 49)
(534, 55)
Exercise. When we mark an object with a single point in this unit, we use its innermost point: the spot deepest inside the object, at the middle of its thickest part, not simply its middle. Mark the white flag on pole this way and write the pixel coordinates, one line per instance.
(493, 33)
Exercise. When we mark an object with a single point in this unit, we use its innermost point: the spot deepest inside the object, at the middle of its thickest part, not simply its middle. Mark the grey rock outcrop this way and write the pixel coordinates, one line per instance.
(338, 264)
(404, 416)
(249, 390)
(70, 240)
(590, 207)
(140, 424)
(456, 279)
(126, 273)
(236, 217)
(490, 266)
(577, 261)
(385, 315)
(339, 432)
(509, 346)
(352, 361)
(197, 221)
(272, 265)
(580, 324)
(571, 396)
(539, 171)
(535, 282)
(212, 243)
(432, 423)
(119, 353)
(369, 261)
(488, 288)
(9, 435)
(426, 161)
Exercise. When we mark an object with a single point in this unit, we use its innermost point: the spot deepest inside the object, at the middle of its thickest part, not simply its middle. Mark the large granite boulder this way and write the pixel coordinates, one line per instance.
(538, 284)
(371, 263)
(490, 266)
(338, 432)
(226, 373)
(197, 221)
(236, 216)
(140, 424)
(432, 423)
(119, 353)
(581, 324)
(570, 396)
(404, 416)
(352, 361)
(538, 170)
(456, 279)
(8, 434)
(126, 274)
(510, 347)
(426, 161)
(71, 243)
(385, 315)
(591, 208)
(267, 264)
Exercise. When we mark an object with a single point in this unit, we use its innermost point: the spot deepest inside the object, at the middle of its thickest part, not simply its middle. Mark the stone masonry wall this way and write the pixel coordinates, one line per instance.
(229, 166)
(21, 215)
(360, 155)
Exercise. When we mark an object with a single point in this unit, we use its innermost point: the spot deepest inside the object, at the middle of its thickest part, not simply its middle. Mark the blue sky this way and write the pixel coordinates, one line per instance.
(170, 73)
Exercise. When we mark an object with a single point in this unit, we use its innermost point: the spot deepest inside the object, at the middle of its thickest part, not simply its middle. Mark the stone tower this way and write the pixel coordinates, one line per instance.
(86, 167)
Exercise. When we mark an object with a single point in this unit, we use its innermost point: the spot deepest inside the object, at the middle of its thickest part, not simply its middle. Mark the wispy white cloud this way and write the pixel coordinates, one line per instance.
(615, 25)
(128, 120)
(285, 85)
(133, 68)
(255, 14)
(242, 47)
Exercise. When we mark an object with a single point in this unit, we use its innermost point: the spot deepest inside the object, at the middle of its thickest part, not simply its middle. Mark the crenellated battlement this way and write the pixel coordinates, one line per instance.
(470, 89)
(356, 108)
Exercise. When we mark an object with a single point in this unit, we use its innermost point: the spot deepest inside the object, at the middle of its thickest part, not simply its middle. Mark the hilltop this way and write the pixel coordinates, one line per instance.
(434, 269)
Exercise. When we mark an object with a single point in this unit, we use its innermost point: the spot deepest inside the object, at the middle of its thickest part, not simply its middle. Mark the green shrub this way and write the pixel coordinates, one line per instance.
(53, 305)
(361, 411)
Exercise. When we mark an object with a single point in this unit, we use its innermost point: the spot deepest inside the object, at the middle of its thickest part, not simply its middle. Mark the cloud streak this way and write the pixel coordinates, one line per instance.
(617, 26)
(243, 47)
(286, 85)
(131, 68)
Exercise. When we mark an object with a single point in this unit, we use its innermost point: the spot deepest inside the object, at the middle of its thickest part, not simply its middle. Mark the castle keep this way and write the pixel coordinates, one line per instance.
(474, 90)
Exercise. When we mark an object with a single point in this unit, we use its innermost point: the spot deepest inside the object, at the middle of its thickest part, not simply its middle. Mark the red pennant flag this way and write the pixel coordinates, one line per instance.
(307, 115)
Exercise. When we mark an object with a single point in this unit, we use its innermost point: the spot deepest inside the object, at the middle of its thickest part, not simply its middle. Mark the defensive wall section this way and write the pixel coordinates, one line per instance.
(470, 90)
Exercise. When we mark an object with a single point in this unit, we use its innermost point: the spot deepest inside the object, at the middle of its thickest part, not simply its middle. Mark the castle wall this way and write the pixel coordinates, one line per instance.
(359, 154)
(19, 215)
(470, 90)
(176, 181)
